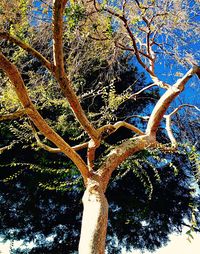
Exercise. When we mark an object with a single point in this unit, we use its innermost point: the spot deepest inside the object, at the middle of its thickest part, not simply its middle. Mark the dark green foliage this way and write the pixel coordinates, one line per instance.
(31, 212)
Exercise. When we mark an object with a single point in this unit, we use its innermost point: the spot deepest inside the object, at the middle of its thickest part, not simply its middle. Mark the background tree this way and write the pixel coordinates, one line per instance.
(96, 172)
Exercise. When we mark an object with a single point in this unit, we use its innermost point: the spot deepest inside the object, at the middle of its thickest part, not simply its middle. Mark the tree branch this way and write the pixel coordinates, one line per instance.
(5, 148)
(121, 153)
(169, 131)
(16, 79)
(60, 74)
(57, 150)
(195, 228)
(17, 114)
(58, 69)
(58, 10)
(27, 48)
(168, 122)
(114, 127)
(109, 129)
(166, 99)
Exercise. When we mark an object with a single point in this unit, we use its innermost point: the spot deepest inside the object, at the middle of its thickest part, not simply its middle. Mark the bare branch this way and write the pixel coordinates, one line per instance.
(133, 96)
(92, 146)
(60, 74)
(54, 149)
(58, 10)
(109, 129)
(112, 128)
(19, 113)
(27, 48)
(170, 132)
(168, 122)
(166, 99)
(191, 226)
(182, 106)
(160, 83)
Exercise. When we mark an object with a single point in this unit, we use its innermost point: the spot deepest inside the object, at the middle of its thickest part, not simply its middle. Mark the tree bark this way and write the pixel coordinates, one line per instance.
(95, 219)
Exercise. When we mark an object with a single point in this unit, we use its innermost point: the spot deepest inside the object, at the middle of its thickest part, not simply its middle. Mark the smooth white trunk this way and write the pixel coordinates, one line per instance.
(94, 221)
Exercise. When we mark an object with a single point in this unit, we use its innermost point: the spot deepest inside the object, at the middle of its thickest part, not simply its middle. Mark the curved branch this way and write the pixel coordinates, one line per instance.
(181, 106)
(166, 99)
(57, 70)
(168, 122)
(17, 81)
(114, 127)
(121, 153)
(109, 128)
(169, 131)
(54, 149)
(27, 48)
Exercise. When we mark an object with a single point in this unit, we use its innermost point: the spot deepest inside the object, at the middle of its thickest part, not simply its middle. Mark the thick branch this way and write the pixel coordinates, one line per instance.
(92, 146)
(17, 114)
(166, 99)
(16, 79)
(58, 10)
(121, 153)
(60, 74)
(109, 128)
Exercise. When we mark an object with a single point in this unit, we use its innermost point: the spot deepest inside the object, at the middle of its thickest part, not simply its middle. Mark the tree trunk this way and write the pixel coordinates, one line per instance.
(94, 221)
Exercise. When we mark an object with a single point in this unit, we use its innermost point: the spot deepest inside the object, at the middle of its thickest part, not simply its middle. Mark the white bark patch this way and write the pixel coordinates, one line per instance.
(94, 221)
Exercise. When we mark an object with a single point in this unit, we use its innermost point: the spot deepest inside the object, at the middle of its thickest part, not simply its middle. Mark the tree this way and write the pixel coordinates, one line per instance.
(141, 33)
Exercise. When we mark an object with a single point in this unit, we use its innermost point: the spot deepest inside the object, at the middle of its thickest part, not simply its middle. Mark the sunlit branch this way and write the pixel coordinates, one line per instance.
(182, 106)
(108, 129)
(54, 149)
(144, 118)
(111, 128)
(60, 74)
(134, 96)
(168, 122)
(17, 81)
(27, 48)
(166, 99)
(169, 131)
(92, 146)
(121, 153)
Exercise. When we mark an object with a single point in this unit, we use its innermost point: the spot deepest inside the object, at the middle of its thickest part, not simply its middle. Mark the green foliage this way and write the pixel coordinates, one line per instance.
(74, 14)
(9, 99)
